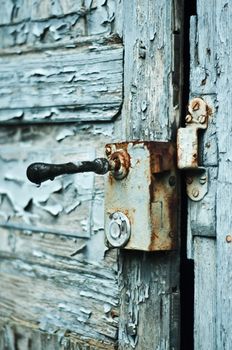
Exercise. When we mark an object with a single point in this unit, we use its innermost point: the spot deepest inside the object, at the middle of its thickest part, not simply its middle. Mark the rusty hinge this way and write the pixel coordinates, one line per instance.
(187, 149)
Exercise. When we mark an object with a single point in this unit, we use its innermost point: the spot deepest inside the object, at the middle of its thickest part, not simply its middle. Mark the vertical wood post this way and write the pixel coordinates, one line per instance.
(149, 282)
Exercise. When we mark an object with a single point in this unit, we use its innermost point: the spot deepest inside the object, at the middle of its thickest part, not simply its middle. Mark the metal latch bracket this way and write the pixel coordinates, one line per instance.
(141, 196)
(188, 152)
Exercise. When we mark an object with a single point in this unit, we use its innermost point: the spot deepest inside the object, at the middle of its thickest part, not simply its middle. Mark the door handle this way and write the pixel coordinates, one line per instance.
(117, 163)
(40, 172)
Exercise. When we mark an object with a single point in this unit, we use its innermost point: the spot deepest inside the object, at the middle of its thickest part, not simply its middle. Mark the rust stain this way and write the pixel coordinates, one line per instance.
(164, 229)
(163, 199)
(118, 155)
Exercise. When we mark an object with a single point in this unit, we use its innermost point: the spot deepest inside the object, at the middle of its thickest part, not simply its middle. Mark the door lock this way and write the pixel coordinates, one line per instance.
(141, 210)
(141, 192)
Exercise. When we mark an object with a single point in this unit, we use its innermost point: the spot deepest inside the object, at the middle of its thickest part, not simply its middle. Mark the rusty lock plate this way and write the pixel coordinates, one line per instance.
(141, 205)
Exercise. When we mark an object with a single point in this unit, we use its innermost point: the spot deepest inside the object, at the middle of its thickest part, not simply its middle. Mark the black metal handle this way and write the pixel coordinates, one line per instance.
(40, 172)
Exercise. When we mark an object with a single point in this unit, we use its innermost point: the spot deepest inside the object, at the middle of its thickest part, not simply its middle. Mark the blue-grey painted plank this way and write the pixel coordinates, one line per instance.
(223, 13)
(79, 84)
(149, 283)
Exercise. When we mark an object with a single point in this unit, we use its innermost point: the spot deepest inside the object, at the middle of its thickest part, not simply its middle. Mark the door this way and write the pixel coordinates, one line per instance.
(76, 75)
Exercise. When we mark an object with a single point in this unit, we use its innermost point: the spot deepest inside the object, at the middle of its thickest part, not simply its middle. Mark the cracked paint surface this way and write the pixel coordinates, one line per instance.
(60, 88)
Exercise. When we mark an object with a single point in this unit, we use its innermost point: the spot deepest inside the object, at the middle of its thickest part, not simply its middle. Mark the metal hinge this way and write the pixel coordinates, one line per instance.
(187, 149)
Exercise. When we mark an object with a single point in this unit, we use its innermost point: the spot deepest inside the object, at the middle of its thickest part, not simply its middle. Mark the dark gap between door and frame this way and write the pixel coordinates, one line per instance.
(186, 265)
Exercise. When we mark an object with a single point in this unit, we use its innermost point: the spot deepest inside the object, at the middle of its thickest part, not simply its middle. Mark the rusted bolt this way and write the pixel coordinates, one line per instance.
(189, 180)
(108, 150)
(228, 238)
(202, 119)
(203, 179)
(195, 192)
(188, 118)
(120, 161)
(195, 106)
(172, 181)
(171, 234)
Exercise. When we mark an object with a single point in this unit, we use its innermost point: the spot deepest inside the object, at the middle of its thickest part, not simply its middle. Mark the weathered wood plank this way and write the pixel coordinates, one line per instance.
(149, 283)
(60, 285)
(62, 300)
(224, 189)
(203, 73)
(57, 291)
(17, 11)
(152, 33)
(149, 312)
(205, 297)
(71, 205)
(34, 22)
(77, 84)
(24, 10)
(202, 214)
(36, 263)
(22, 337)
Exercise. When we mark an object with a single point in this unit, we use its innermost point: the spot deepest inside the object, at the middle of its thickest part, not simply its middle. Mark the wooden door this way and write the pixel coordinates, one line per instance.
(75, 75)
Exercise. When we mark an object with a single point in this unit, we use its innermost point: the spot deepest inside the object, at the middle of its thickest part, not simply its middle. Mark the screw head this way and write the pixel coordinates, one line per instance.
(195, 192)
(202, 119)
(196, 106)
(188, 118)
(228, 238)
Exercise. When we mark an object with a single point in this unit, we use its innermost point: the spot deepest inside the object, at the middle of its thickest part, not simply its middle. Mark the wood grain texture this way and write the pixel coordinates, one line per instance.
(202, 214)
(205, 296)
(59, 285)
(149, 283)
(152, 37)
(32, 23)
(149, 294)
(43, 285)
(62, 287)
(70, 205)
(21, 337)
(62, 85)
(224, 187)
(213, 27)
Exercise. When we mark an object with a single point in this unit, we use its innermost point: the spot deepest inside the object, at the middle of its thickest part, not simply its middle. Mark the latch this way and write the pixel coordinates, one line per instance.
(188, 149)
(141, 195)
